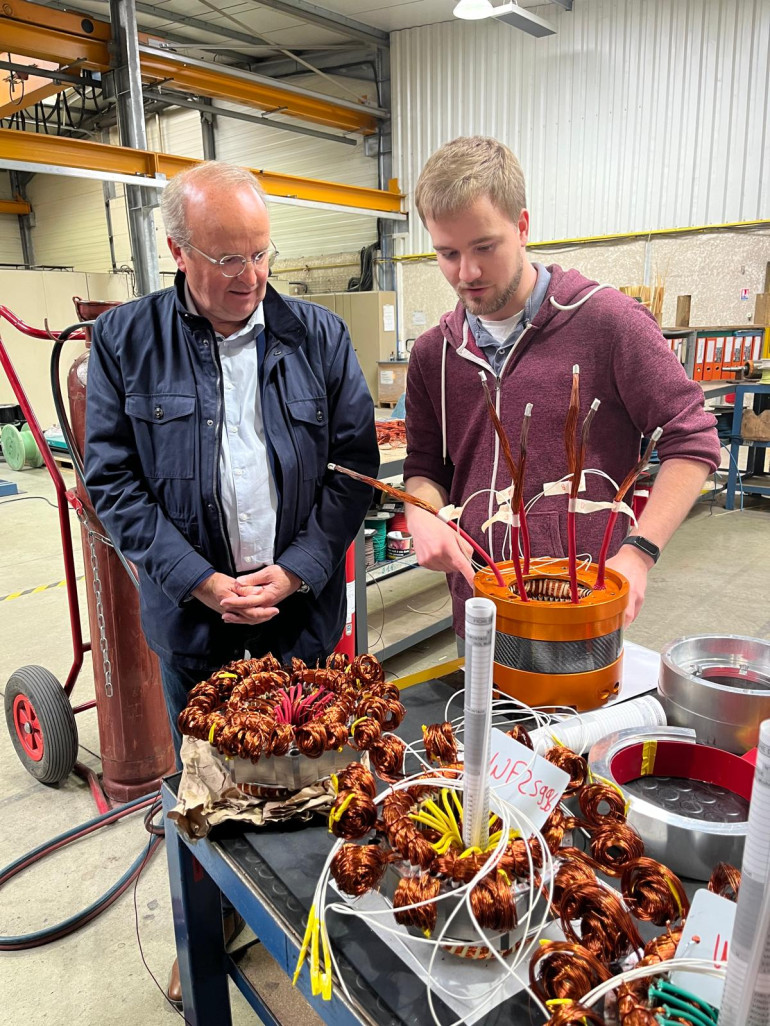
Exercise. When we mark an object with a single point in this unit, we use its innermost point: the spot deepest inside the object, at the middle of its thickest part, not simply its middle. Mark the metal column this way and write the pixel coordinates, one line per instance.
(128, 90)
(18, 187)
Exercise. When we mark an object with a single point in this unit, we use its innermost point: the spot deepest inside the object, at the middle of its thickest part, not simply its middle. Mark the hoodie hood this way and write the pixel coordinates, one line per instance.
(568, 289)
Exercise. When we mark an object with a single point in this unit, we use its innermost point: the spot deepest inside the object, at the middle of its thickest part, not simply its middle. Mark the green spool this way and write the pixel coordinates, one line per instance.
(20, 448)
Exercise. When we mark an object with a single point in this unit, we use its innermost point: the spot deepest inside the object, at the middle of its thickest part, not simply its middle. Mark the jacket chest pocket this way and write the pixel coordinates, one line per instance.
(164, 426)
(310, 423)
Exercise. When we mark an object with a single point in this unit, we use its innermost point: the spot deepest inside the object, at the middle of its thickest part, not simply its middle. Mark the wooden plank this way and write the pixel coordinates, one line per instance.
(683, 304)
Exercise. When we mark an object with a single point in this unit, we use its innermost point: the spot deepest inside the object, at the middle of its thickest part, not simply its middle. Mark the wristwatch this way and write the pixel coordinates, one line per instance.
(644, 545)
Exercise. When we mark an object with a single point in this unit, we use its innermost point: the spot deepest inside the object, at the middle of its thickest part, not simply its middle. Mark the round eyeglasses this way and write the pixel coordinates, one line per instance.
(234, 264)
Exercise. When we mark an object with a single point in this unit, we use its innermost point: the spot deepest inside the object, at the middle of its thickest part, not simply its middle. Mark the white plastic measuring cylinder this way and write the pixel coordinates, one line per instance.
(746, 998)
(479, 658)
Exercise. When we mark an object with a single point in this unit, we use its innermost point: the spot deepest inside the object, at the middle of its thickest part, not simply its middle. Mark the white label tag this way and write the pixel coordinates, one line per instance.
(524, 780)
(707, 934)
(563, 487)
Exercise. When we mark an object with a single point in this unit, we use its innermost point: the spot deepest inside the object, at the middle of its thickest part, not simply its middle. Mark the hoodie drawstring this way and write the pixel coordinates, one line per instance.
(586, 297)
(443, 399)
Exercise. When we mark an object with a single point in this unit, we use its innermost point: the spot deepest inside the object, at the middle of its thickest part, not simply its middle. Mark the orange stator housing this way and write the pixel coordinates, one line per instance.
(552, 651)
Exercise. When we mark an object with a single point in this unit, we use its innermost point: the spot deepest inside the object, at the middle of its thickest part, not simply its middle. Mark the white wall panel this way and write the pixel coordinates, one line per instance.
(636, 115)
(302, 231)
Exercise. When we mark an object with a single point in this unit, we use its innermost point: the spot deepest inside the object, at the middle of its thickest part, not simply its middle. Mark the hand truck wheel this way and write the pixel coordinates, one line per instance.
(41, 724)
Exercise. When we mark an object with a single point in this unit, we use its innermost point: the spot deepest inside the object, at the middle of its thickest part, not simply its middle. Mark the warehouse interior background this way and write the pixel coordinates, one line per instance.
(643, 128)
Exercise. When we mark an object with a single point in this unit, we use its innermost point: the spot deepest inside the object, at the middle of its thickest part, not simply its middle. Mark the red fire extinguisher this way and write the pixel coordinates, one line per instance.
(347, 643)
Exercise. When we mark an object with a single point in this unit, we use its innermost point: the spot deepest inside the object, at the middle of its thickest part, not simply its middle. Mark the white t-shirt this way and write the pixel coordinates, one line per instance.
(501, 331)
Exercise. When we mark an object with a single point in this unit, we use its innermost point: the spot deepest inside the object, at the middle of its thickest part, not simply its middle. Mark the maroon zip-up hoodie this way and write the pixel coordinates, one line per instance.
(624, 361)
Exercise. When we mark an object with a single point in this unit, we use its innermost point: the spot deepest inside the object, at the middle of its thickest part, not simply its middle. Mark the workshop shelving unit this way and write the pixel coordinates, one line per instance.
(755, 472)
(382, 571)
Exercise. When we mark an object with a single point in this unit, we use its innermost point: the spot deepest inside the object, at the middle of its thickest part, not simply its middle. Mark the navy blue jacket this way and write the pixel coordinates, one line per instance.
(153, 429)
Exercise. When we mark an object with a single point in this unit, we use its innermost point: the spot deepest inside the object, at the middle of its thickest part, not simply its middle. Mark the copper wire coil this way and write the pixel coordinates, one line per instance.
(358, 868)
(410, 891)
(366, 668)
(614, 845)
(396, 806)
(411, 843)
(297, 665)
(387, 757)
(493, 903)
(573, 764)
(439, 742)
(571, 873)
(663, 948)
(281, 739)
(593, 796)
(373, 706)
(560, 969)
(606, 928)
(257, 685)
(575, 1015)
(725, 881)
(311, 739)
(352, 815)
(521, 734)
(336, 735)
(653, 893)
(356, 777)
(337, 661)
(549, 589)
(553, 830)
(334, 680)
(515, 859)
(364, 733)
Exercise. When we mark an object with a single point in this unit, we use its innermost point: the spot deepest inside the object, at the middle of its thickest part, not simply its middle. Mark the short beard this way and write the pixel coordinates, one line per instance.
(486, 307)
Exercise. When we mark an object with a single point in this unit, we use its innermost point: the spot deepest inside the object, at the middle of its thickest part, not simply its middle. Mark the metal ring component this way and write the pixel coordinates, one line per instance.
(549, 650)
(719, 685)
(694, 809)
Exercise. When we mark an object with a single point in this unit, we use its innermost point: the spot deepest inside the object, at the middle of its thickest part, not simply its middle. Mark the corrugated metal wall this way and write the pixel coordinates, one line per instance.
(636, 115)
(303, 231)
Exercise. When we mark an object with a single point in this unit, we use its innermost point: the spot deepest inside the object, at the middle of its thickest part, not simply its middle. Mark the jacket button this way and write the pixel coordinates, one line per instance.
(278, 352)
(210, 423)
(319, 416)
(158, 413)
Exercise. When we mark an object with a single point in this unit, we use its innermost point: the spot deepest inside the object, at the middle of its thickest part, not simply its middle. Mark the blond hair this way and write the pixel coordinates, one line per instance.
(173, 202)
(466, 169)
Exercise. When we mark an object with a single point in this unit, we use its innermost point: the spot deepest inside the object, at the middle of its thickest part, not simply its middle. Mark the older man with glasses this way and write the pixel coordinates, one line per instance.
(213, 410)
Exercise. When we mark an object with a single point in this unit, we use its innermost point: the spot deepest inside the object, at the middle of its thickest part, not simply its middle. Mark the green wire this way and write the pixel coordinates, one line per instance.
(696, 1017)
(686, 995)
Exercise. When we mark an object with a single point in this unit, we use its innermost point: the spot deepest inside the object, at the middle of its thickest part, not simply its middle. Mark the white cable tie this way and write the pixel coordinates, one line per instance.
(505, 495)
(447, 513)
(572, 505)
(516, 520)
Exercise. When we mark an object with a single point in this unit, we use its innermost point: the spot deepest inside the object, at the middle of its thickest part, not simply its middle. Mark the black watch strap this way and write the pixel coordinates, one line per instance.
(644, 545)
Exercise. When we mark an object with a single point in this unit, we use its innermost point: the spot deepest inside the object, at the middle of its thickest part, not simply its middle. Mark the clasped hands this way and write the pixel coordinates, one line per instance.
(250, 599)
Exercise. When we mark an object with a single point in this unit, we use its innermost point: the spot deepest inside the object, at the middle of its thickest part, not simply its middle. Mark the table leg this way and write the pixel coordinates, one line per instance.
(197, 906)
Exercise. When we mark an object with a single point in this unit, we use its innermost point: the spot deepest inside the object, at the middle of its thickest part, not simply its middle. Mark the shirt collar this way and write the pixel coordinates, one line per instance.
(252, 327)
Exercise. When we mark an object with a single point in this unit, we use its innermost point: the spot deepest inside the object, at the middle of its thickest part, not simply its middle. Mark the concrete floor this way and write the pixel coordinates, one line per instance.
(713, 578)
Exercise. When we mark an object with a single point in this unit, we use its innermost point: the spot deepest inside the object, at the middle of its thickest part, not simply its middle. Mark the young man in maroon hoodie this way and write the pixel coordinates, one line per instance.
(522, 326)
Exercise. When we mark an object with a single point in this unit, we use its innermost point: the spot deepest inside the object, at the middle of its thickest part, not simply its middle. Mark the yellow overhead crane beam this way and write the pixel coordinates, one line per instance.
(29, 148)
(68, 39)
(15, 206)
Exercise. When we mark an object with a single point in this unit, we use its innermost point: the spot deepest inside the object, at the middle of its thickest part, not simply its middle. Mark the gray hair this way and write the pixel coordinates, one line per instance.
(173, 201)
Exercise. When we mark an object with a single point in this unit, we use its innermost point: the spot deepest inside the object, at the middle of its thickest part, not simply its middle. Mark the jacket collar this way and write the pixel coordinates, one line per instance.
(280, 319)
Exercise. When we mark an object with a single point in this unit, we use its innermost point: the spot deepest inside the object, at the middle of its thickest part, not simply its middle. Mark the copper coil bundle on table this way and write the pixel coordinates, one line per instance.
(268, 720)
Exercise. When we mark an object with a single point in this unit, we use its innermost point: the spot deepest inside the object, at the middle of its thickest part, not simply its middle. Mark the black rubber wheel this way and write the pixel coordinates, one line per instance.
(41, 724)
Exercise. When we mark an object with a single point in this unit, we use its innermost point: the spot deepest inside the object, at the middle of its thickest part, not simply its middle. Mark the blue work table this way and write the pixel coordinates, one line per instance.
(269, 875)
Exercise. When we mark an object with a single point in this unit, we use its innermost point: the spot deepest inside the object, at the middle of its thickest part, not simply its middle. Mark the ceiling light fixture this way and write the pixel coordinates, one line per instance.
(511, 13)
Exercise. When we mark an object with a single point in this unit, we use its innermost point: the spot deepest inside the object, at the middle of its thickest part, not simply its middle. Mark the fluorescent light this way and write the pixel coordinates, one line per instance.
(473, 10)
(511, 13)
(522, 19)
